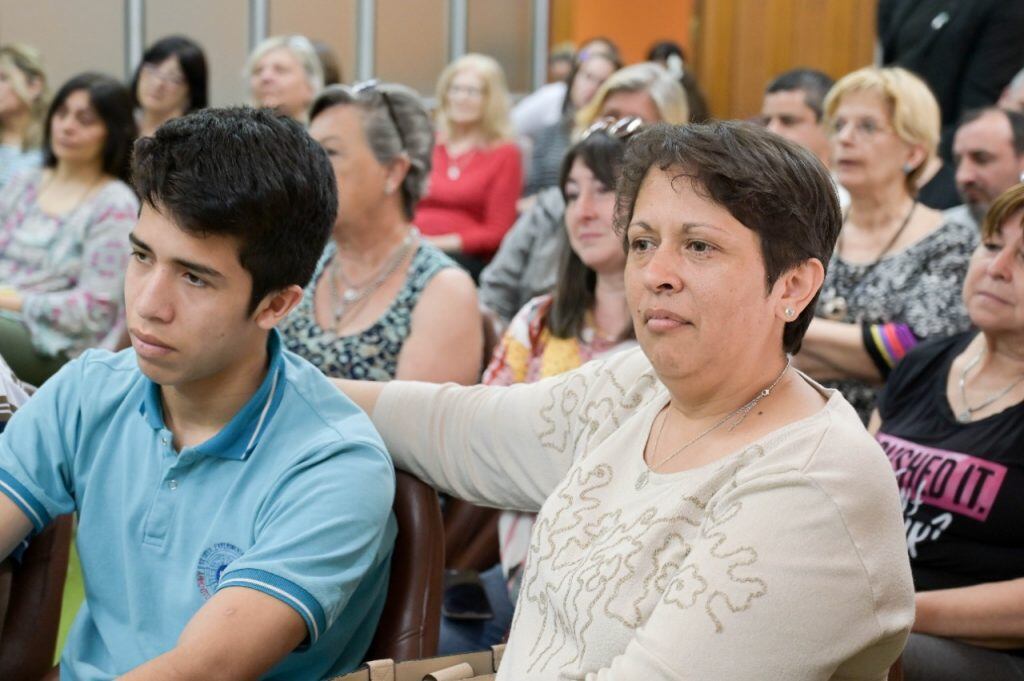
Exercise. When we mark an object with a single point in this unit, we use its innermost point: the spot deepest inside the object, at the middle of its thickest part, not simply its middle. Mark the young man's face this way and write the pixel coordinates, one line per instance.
(187, 303)
(786, 114)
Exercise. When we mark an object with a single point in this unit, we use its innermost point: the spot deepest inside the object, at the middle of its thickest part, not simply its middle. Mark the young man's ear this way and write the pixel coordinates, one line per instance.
(275, 306)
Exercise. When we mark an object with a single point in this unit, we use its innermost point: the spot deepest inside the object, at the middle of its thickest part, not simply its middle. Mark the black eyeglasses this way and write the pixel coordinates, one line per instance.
(372, 86)
(622, 129)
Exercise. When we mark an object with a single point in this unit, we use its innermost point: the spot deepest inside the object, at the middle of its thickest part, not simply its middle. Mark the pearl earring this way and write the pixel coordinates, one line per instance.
(790, 312)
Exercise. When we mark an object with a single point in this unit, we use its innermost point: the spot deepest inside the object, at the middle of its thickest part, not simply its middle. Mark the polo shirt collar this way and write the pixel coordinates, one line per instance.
(242, 433)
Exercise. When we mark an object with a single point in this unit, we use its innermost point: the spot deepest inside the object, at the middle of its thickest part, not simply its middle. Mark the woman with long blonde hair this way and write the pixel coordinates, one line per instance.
(477, 170)
(24, 99)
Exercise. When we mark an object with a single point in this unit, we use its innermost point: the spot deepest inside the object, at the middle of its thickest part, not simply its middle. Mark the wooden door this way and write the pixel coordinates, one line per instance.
(743, 44)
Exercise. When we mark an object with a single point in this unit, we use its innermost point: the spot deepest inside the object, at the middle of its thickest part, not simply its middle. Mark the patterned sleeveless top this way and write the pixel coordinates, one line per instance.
(371, 354)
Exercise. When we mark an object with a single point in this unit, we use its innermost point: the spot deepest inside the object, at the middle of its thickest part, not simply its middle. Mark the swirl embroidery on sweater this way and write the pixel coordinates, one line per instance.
(580, 567)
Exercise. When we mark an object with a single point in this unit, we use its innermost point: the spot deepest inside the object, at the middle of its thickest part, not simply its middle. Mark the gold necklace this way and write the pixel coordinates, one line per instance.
(739, 414)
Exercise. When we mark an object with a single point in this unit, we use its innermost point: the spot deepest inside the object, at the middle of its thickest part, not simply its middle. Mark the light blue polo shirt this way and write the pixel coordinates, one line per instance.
(292, 498)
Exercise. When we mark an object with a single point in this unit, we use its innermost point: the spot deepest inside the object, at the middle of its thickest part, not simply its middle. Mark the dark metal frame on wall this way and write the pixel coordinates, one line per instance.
(366, 19)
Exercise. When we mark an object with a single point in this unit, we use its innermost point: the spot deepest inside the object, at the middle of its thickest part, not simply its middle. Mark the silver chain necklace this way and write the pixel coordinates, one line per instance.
(354, 295)
(966, 415)
(737, 414)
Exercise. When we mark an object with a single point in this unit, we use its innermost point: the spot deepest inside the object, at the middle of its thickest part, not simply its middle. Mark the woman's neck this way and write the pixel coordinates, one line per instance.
(363, 248)
(611, 312)
(67, 172)
(13, 127)
(150, 120)
(879, 209)
(712, 394)
(1004, 354)
(462, 137)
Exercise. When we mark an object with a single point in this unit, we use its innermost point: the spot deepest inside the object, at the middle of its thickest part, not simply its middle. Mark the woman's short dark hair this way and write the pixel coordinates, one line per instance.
(415, 140)
(193, 65)
(772, 186)
(573, 295)
(113, 103)
(246, 173)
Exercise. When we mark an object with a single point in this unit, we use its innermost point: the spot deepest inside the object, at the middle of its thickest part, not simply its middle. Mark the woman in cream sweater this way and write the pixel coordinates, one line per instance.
(705, 510)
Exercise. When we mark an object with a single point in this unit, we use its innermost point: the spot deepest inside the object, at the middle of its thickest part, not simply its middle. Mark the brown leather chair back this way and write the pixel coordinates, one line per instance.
(29, 634)
(896, 670)
(411, 620)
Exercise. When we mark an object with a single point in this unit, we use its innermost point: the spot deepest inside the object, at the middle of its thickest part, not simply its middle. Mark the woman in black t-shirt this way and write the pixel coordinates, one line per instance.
(951, 420)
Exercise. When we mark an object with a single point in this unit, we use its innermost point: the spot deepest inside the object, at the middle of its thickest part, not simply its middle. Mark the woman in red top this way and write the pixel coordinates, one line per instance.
(477, 171)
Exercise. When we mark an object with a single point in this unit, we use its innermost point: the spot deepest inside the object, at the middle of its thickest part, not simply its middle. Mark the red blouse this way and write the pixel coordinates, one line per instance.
(473, 195)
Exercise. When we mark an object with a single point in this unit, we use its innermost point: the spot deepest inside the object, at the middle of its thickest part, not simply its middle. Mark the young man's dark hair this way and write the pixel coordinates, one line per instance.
(1014, 118)
(193, 65)
(270, 185)
(813, 83)
(113, 103)
(771, 185)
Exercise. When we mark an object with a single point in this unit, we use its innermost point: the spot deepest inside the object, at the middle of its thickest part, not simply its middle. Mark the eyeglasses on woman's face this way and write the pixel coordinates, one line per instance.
(860, 128)
(171, 76)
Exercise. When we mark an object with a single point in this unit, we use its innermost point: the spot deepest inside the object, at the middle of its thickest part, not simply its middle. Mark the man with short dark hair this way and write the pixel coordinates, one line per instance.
(794, 108)
(988, 150)
(232, 508)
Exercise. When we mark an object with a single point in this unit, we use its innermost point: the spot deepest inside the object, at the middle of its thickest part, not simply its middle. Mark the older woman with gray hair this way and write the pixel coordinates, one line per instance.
(383, 302)
(704, 510)
(285, 74)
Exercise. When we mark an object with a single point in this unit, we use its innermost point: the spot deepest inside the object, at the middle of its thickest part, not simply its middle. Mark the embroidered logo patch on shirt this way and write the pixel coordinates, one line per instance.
(212, 565)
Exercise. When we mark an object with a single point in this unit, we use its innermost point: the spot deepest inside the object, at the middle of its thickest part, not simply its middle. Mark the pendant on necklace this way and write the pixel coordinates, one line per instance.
(641, 480)
(835, 309)
(964, 416)
(453, 173)
(349, 295)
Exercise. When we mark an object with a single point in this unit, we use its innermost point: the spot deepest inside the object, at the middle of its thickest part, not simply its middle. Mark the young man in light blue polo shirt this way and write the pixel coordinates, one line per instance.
(234, 508)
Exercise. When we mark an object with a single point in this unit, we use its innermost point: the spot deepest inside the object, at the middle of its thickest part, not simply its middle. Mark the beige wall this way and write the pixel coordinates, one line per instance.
(89, 36)
(502, 29)
(412, 42)
(224, 36)
(411, 36)
(330, 21)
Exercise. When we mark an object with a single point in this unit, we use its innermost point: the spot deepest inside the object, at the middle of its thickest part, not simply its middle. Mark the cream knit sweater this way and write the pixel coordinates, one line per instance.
(785, 560)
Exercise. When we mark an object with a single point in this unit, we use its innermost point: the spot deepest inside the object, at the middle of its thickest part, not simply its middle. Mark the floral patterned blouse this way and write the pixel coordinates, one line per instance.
(69, 269)
(906, 297)
(371, 354)
(528, 352)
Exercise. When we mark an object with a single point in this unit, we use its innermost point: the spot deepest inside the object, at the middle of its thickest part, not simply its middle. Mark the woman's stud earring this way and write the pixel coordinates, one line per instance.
(790, 312)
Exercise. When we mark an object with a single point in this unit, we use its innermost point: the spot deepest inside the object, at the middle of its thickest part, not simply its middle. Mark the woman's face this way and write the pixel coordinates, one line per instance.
(162, 87)
(589, 77)
(994, 285)
(465, 99)
(278, 81)
(77, 133)
(589, 209)
(695, 281)
(622, 104)
(361, 178)
(866, 151)
(10, 102)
